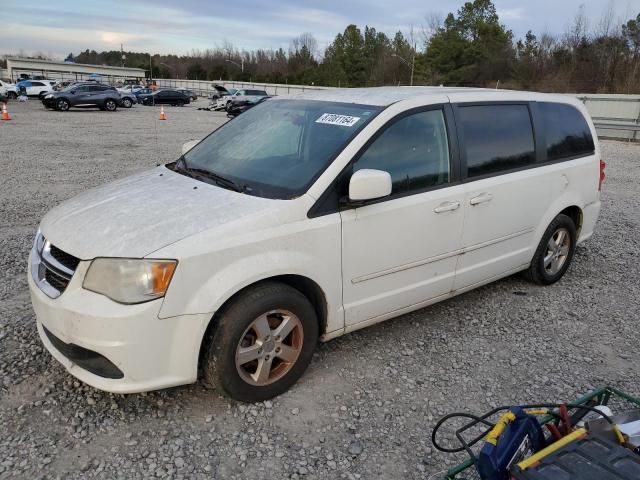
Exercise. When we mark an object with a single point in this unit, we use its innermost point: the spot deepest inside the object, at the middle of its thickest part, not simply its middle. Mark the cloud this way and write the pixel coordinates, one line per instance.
(511, 14)
(167, 26)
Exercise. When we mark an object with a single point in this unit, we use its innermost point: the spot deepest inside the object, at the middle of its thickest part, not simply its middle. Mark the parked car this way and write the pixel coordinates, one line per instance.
(164, 97)
(105, 97)
(220, 91)
(219, 102)
(128, 100)
(189, 93)
(142, 91)
(238, 106)
(64, 84)
(306, 218)
(10, 89)
(130, 89)
(34, 88)
(244, 94)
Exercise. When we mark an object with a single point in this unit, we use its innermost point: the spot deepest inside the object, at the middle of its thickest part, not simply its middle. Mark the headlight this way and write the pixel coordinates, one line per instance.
(128, 280)
(38, 241)
(49, 96)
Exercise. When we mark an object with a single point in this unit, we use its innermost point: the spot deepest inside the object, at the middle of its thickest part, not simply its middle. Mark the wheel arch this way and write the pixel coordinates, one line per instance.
(574, 213)
(305, 285)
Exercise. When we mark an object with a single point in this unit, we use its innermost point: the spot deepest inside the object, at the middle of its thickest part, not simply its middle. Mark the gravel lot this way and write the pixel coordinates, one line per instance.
(365, 407)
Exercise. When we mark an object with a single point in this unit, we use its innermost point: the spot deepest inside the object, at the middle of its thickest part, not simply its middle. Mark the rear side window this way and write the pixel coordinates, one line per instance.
(566, 131)
(414, 150)
(37, 84)
(496, 138)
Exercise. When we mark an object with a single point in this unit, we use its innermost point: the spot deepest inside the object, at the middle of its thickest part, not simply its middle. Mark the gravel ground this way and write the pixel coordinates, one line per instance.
(365, 407)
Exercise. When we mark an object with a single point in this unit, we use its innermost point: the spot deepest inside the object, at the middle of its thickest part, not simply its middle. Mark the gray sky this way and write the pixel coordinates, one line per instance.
(58, 27)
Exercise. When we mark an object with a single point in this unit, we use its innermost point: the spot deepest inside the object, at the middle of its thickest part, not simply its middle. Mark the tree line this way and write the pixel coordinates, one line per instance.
(470, 47)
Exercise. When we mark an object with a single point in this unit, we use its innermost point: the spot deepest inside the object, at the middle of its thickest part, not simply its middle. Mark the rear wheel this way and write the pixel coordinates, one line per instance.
(110, 105)
(263, 343)
(62, 104)
(555, 251)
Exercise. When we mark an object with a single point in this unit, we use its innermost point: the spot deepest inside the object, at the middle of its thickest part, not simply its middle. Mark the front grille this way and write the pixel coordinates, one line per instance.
(51, 268)
(56, 280)
(64, 258)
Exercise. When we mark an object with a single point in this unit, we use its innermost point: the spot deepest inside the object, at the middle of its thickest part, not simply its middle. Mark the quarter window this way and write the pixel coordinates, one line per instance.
(496, 138)
(414, 150)
(566, 131)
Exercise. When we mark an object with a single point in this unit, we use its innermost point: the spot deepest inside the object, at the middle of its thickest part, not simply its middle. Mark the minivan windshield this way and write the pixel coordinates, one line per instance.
(279, 147)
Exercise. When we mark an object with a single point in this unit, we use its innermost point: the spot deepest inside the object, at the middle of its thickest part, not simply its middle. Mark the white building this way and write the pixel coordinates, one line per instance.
(69, 71)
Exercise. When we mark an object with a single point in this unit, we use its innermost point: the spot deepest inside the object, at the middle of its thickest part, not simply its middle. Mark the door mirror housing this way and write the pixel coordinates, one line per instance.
(369, 184)
(189, 145)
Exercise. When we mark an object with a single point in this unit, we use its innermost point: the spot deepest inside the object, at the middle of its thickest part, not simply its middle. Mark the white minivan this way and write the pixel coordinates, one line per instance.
(305, 218)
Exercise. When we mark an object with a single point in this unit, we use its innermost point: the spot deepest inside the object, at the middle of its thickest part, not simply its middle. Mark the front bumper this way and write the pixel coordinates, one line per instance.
(49, 102)
(151, 353)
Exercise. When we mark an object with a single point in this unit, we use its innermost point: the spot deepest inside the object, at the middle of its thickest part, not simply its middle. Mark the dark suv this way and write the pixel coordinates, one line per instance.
(105, 97)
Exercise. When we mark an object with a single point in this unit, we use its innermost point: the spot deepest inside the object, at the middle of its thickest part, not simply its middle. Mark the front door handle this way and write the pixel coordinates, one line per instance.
(482, 198)
(447, 207)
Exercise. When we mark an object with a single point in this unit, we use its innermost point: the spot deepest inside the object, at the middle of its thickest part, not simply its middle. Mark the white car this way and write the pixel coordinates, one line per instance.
(303, 219)
(9, 88)
(35, 88)
(130, 89)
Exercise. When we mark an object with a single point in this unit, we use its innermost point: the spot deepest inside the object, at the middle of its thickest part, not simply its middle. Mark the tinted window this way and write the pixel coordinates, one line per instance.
(414, 150)
(566, 131)
(37, 84)
(496, 138)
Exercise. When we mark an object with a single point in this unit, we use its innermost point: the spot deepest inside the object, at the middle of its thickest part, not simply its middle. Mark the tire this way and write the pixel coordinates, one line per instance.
(269, 305)
(554, 253)
(110, 105)
(62, 105)
(127, 103)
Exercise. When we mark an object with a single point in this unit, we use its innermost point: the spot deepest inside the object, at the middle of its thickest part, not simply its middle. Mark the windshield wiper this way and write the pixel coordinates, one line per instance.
(218, 179)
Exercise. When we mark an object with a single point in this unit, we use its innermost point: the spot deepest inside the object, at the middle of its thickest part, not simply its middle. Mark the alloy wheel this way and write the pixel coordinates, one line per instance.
(269, 347)
(557, 252)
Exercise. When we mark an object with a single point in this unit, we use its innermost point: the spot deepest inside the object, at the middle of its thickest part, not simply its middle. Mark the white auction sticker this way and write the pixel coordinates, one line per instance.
(335, 119)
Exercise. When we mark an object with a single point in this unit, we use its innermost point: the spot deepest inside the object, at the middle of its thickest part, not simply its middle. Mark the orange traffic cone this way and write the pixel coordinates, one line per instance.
(162, 115)
(5, 114)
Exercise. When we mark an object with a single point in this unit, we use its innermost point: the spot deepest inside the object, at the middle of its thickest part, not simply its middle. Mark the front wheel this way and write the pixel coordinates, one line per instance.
(110, 105)
(263, 343)
(62, 105)
(555, 251)
(127, 103)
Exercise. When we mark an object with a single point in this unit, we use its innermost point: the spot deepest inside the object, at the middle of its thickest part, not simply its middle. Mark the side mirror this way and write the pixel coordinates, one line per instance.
(369, 184)
(189, 145)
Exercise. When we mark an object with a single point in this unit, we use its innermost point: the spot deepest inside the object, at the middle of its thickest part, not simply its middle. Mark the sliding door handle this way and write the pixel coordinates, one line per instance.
(482, 198)
(447, 207)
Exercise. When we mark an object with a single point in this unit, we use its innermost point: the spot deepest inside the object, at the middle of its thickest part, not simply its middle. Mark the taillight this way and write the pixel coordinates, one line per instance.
(602, 174)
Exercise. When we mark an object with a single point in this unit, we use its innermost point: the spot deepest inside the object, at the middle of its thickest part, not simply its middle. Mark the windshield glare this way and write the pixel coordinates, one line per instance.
(279, 147)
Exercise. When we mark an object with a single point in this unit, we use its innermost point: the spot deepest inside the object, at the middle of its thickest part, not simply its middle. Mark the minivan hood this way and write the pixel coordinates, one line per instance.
(138, 215)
